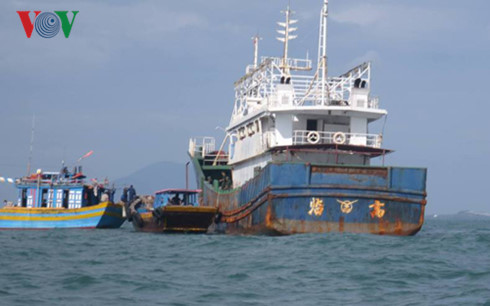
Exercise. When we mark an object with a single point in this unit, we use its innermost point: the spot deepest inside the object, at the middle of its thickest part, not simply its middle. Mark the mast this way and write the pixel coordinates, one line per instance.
(256, 39)
(322, 53)
(31, 145)
(287, 37)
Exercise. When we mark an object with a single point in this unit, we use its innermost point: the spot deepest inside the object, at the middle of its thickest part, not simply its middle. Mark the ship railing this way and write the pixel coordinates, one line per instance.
(307, 92)
(202, 146)
(262, 82)
(373, 103)
(301, 137)
(54, 182)
(216, 158)
(291, 63)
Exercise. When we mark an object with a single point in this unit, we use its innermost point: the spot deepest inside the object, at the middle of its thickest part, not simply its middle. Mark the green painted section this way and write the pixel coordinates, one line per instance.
(201, 176)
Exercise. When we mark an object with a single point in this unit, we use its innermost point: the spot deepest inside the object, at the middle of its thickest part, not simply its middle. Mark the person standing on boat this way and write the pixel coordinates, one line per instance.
(227, 183)
(131, 194)
(124, 195)
(222, 181)
(176, 199)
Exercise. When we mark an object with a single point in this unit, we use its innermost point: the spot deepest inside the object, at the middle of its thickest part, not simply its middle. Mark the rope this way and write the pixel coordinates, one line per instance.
(238, 217)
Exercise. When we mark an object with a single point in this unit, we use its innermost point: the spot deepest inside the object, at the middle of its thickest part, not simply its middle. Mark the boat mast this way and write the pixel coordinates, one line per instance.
(287, 37)
(256, 39)
(31, 144)
(322, 53)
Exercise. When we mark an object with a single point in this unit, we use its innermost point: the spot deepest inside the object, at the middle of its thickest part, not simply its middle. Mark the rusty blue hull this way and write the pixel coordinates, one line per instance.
(288, 198)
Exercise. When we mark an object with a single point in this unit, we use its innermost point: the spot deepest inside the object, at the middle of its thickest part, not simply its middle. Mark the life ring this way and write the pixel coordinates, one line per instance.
(313, 137)
(339, 138)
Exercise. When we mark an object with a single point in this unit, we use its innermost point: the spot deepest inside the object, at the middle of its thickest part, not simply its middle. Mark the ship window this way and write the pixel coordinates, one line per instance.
(241, 133)
(65, 198)
(311, 125)
(23, 202)
(44, 198)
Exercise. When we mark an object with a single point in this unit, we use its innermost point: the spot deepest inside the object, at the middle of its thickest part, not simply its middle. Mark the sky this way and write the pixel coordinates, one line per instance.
(136, 79)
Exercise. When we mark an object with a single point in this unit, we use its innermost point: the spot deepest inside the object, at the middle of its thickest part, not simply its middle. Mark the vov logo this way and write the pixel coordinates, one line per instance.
(47, 24)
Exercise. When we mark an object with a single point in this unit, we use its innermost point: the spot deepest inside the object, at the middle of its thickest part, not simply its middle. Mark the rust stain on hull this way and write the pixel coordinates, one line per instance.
(285, 227)
(341, 224)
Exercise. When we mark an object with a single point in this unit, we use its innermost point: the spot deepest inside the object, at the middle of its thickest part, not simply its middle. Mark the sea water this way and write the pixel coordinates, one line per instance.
(447, 263)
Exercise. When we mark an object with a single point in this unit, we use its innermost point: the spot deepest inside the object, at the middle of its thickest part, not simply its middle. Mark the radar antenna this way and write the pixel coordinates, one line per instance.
(286, 32)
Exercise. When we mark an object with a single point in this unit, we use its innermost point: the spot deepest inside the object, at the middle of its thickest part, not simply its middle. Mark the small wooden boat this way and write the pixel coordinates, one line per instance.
(171, 210)
(61, 200)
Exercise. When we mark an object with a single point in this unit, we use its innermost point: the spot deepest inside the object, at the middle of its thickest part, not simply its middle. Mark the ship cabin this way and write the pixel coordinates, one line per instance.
(61, 190)
(177, 197)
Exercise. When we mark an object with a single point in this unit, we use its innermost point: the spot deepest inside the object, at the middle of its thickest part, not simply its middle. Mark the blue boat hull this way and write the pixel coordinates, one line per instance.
(104, 215)
(288, 198)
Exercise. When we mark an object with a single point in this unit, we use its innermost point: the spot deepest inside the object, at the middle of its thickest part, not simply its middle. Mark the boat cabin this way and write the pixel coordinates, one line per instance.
(178, 197)
(61, 190)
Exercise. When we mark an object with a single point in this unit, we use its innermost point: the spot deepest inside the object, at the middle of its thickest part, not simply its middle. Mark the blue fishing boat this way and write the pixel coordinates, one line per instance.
(61, 200)
(300, 152)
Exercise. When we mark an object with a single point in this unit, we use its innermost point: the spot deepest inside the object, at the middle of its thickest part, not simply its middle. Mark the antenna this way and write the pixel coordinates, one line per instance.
(287, 37)
(256, 39)
(63, 158)
(31, 144)
(322, 53)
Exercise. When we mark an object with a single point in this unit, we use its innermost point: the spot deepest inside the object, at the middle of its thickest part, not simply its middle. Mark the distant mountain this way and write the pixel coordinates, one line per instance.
(475, 214)
(464, 215)
(158, 176)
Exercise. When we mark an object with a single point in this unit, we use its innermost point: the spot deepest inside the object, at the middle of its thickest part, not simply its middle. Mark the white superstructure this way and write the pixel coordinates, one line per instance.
(284, 105)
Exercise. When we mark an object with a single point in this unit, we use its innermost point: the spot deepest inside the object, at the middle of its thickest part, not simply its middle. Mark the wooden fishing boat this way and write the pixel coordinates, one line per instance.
(168, 212)
(61, 200)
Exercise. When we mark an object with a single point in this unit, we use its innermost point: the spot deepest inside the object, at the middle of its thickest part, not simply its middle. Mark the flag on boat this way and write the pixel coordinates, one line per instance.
(86, 155)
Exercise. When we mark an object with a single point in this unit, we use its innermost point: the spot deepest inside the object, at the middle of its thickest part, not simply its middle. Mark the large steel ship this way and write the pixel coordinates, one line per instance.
(299, 151)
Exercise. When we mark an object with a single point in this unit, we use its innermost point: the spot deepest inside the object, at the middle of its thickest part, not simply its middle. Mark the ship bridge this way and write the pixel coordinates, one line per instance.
(297, 107)
(284, 102)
